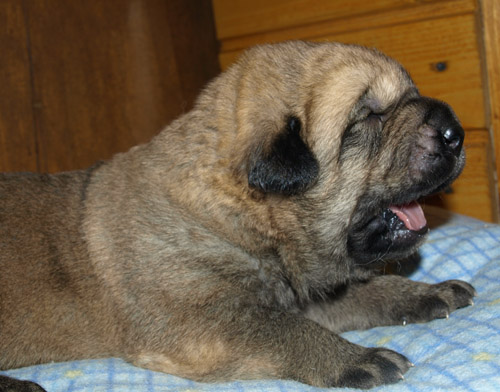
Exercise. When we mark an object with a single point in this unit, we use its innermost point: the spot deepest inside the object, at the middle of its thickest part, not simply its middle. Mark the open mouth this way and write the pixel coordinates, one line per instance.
(406, 217)
(394, 232)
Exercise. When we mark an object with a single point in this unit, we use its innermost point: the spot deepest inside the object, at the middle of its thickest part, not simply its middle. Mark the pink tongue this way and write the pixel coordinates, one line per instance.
(411, 214)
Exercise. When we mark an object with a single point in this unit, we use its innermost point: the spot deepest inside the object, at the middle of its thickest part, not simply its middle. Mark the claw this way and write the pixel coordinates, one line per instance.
(410, 364)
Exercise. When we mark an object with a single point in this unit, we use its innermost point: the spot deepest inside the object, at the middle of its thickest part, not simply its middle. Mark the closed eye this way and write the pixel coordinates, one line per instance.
(363, 137)
(376, 117)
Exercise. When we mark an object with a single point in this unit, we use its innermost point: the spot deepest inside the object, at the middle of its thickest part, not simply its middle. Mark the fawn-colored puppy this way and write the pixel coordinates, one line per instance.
(240, 241)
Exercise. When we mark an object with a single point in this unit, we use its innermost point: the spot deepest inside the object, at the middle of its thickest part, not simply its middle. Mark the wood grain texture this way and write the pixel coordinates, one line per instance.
(359, 20)
(473, 193)
(237, 18)
(17, 136)
(419, 46)
(490, 20)
(108, 75)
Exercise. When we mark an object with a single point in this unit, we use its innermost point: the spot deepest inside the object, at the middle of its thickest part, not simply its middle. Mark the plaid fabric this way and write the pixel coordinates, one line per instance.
(458, 354)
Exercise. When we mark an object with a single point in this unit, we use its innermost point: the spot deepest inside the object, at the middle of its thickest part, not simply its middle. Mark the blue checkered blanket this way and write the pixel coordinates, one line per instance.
(458, 354)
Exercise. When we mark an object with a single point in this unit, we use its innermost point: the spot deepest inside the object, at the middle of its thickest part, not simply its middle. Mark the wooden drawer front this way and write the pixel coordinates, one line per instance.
(474, 191)
(237, 18)
(419, 46)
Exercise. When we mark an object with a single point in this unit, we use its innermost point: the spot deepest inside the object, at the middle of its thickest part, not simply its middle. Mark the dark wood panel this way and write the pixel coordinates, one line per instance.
(194, 42)
(17, 137)
(110, 74)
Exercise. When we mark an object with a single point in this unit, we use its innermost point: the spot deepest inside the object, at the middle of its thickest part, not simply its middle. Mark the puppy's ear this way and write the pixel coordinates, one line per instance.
(288, 167)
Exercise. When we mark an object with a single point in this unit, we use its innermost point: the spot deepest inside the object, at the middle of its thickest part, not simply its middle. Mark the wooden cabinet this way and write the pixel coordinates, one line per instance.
(440, 42)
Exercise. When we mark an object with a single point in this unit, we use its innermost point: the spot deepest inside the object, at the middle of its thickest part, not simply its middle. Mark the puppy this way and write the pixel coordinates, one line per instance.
(241, 240)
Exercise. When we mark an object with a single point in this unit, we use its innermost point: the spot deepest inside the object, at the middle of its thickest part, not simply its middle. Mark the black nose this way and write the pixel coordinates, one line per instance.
(441, 117)
(453, 138)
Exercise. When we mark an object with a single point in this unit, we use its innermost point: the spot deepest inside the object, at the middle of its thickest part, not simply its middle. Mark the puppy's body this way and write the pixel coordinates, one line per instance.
(204, 253)
(49, 290)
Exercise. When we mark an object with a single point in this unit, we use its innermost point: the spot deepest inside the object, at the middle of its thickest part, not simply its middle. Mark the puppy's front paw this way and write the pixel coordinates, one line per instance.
(440, 300)
(375, 366)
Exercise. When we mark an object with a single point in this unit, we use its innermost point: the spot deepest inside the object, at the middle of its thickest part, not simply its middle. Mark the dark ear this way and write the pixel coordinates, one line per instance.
(288, 167)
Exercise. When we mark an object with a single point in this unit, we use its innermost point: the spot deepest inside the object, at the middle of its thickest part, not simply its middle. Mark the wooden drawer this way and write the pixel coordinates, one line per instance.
(474, 193)
(419, 46)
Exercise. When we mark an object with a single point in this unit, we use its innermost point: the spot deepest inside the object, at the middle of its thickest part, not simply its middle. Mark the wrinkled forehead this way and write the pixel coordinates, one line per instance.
(374, 76)
(364, 74)
(359, 77)
(388, 85)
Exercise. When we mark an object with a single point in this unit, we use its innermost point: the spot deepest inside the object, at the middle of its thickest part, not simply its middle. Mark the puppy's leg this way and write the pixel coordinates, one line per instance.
(256, 345)
(389, 300)
(8, 384)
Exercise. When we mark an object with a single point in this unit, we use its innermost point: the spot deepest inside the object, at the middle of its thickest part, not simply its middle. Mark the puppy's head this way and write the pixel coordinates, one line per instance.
(422, 153)
(340, 135)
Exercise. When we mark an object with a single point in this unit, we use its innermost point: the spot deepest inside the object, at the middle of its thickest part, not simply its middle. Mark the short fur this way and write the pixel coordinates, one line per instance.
(238, 242)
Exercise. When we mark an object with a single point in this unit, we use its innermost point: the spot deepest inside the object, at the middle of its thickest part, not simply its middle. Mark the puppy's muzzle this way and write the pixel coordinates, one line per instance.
(438, 150)
(436, 159)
